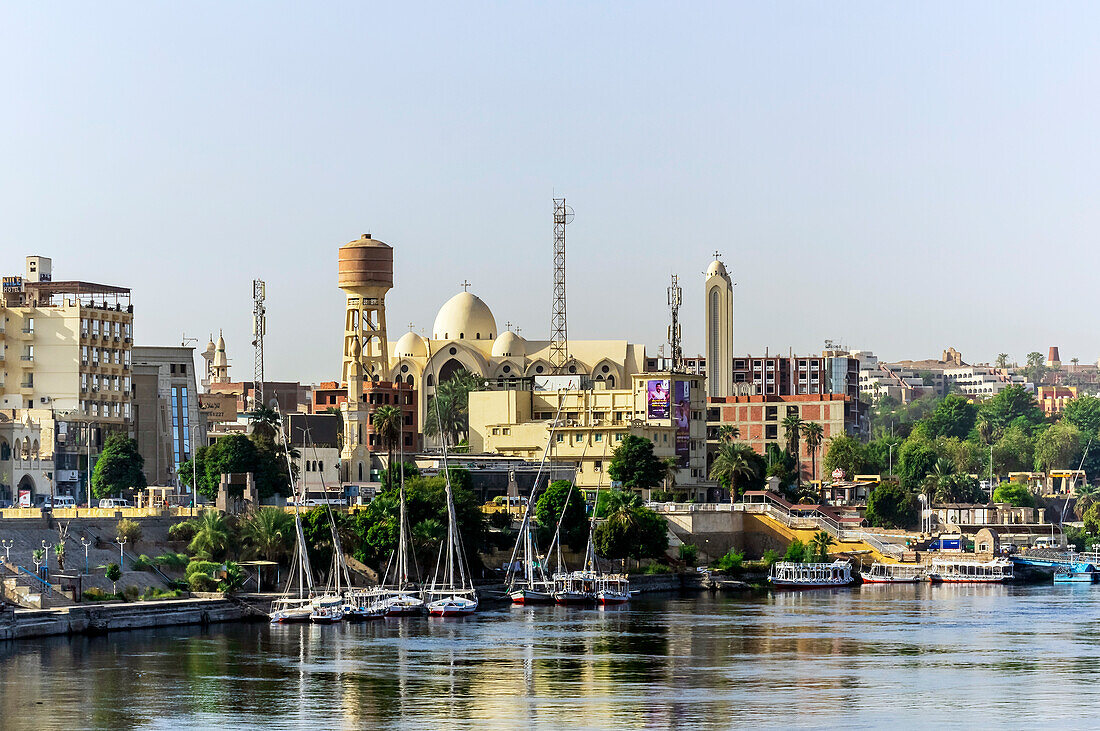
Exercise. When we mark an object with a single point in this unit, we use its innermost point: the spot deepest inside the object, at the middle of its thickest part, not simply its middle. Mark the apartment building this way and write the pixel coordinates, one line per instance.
(65, 368)
(167, 421)
(983, 381)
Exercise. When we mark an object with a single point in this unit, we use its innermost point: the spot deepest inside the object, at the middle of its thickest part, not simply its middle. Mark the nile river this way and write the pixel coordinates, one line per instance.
(902, 656)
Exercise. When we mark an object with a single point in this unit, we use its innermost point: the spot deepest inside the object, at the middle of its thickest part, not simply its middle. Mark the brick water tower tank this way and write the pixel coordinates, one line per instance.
(365, 275)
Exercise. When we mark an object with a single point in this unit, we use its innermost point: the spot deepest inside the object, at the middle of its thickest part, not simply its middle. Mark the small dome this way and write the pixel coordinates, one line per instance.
(410, 345)
(464, 317)
(509, 345)
(717, 269)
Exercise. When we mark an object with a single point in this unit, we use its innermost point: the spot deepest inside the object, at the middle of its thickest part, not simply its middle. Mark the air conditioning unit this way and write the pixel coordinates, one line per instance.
(45, 399)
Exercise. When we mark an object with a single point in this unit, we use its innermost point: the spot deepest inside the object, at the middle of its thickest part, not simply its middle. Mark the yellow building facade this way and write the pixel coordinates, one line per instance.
(584, 426)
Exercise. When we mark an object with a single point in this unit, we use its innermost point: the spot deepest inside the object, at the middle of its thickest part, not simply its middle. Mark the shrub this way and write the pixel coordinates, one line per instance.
(798, 552)
(201, 582)
(95, 594)
(131, 593)
(154, 593)
(657, 568)
(201, 567)
(689, 553)
(731, 561)
(130, 530)
(769, 558)
(141, 563)
(184, 531)
(172, 560)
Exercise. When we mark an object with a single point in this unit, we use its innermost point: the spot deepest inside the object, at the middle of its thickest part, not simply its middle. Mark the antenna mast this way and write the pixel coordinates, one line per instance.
(559, 339)
(259, 327)
(675, 299)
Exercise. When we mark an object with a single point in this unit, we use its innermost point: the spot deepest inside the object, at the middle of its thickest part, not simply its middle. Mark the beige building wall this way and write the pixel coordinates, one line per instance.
(587, 427)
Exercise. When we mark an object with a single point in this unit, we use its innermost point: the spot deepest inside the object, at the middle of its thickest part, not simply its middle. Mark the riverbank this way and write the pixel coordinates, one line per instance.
(92, 619)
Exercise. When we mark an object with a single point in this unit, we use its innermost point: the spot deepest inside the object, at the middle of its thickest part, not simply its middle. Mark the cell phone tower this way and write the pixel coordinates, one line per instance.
(259, 327)
(559, 335)
(675, 299)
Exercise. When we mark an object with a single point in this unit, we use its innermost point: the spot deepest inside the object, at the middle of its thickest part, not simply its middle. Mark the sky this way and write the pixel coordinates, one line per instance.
(895, 177)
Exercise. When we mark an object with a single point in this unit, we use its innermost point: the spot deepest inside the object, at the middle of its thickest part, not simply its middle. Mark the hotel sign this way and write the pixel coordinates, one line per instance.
(218, 407)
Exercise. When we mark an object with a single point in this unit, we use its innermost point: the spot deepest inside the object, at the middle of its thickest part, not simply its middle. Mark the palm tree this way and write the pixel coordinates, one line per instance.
(728, 432)
(265, 421)
(821, 542)
(1075, 361)
(814, 434)
(452, 402)
(733, 461)
(1002, 360)
(269, 532)
(1087, 496)
(984, 428)
(212, 535)
(792, 424)
(339, 425)
(387, 425)
(669, 465)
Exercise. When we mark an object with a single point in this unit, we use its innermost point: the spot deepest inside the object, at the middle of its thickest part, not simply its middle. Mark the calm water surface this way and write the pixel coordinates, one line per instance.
(904, 656)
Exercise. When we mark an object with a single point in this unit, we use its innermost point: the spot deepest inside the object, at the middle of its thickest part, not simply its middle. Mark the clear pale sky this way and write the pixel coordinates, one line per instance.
(899, 177)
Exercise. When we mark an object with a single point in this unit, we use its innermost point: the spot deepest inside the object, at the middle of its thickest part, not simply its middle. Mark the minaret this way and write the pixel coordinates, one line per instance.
(719, 319)
(365, 275)
(208, 357)
(355, 457)
(220, 367)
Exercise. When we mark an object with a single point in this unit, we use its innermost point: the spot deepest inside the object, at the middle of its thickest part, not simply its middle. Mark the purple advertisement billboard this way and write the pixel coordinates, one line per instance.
(657, 399)
(681, 411)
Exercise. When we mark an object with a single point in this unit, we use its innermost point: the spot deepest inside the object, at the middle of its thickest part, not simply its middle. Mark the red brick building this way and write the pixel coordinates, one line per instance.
(759, 420)
(377, 393)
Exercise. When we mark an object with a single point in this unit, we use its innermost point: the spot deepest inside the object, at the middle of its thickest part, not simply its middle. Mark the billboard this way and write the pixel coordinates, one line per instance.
(657, 399)
(218, 406)
(681, 413)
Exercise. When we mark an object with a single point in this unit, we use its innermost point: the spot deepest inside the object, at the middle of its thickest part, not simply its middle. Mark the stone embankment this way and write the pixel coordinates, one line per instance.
(102, 618)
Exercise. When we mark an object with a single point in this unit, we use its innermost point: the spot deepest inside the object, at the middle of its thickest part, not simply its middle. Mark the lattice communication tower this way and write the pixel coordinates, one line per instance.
(559, 336)
(259, 328)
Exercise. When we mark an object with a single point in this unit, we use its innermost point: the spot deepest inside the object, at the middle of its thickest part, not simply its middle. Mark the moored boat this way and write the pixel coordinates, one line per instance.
(893, 573)
(958, 571)
(453, 604)
(576, 588)
(327, 609)
(289, 611)
(533, 596)
(790, 575)
(612, 589)
(1078, 573)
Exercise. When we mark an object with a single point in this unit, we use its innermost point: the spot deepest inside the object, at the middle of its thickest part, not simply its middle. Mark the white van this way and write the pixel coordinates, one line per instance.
(60, 501)
(114, 502)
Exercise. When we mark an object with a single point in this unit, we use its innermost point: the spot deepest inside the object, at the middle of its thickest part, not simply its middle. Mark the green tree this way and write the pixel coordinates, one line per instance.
(1002, 360)
(1058, 447)
(561, 496)
(268, 532)
(845, 453)
(1014, 493)
(734, 462)
(792, 428)
(813, 433)
(120, 467)
(113, 574)
(449, 409)
(1035, 369)
(387, 423)
(634, 464)
(916, 458)
(1009, 405)
(265, 420)
(728, 432)
(213, 536)
(1084, 413)
(631, 530)
(1014, 451)
(892, 506)
(798, 552)
(391, 476)
(821, 543)
(953, 417)
(128, 529)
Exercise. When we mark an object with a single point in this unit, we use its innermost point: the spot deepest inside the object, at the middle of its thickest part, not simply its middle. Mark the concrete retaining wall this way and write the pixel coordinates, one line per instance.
(98, 619)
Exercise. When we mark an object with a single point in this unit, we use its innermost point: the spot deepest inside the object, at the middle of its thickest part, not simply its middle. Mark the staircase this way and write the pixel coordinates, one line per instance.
(23, 589)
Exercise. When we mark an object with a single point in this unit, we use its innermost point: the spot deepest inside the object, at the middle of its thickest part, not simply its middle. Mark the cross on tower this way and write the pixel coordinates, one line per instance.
(508, 326)
(717, 254)
(411, 326)
(465, 285)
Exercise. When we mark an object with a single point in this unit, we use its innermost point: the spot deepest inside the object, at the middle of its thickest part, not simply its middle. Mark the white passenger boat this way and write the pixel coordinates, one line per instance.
(893, 573)
(327, 609)
(288, 611)
(612, 589)
(575, 587)
(789, 575)
(401, 604)
(959, 571)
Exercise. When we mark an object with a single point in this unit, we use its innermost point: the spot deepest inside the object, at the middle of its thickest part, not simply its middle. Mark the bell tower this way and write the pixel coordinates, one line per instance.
(718, 290)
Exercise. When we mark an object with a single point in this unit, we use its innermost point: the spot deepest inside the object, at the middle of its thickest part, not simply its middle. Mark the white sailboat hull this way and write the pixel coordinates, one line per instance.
(452, 607)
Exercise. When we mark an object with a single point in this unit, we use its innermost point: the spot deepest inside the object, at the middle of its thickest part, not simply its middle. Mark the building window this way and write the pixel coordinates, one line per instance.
(771, 413)
(771, 431)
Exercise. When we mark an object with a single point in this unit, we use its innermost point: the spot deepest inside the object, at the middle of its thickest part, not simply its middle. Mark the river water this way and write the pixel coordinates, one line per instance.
(907, 656)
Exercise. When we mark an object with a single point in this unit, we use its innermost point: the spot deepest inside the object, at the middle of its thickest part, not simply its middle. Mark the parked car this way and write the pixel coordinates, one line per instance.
(114, 502)
(59, 501)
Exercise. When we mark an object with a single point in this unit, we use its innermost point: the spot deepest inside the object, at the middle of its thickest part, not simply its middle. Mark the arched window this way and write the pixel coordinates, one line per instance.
(360, 471)
(429, 381)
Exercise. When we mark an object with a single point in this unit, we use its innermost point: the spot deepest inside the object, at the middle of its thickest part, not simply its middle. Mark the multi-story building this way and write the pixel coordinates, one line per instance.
(1053, 399)
(316, 442)
(983, 381)
(65, 366)
(167, 421)
(584, 426)
(759, 420)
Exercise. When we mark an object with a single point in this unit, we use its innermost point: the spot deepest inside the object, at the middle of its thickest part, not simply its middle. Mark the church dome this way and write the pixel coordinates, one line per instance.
(464, 317)
(509, 345)
(717, 269)
(410, 345)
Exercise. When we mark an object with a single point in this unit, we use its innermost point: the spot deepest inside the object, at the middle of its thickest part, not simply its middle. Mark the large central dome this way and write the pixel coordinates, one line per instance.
(464, 317)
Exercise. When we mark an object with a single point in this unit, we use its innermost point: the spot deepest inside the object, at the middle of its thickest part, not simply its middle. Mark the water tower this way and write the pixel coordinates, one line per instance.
(365, 275)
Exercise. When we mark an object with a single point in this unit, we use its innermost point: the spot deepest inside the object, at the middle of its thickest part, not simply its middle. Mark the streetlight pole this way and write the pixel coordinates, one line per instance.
(85, 542)
(890, 455)
(46, 555)
(7, 543)
(121, 542)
